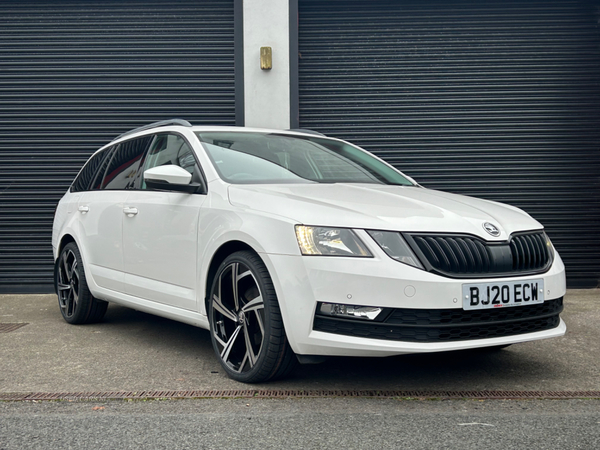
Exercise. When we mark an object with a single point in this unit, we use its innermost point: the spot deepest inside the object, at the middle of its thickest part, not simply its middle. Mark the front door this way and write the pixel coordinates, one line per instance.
(160, 232)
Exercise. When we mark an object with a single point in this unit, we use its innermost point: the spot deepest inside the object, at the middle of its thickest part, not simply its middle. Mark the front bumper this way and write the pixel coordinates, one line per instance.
(302, 282)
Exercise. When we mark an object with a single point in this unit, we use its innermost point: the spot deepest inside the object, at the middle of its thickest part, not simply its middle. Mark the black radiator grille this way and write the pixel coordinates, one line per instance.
(461, 255)
(529, 252)
(444, 325)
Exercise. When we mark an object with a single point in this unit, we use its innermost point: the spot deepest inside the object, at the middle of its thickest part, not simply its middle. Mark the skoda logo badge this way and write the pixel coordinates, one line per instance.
(491, 229)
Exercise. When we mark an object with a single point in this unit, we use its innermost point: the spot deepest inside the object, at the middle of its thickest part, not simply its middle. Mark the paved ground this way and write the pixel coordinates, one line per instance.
(342, 423)
(133, 351)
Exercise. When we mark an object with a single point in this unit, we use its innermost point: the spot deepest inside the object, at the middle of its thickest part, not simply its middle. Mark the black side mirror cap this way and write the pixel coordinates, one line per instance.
(192, 188)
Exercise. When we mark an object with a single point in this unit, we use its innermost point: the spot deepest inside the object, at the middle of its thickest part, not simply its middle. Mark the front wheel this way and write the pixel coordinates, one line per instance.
(77, 305)
(245, 321)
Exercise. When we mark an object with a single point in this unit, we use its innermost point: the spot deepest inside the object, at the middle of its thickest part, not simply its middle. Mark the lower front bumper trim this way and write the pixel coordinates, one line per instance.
(411, 325)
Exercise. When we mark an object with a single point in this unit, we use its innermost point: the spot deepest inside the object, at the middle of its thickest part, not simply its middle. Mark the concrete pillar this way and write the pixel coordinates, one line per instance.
(266, 92)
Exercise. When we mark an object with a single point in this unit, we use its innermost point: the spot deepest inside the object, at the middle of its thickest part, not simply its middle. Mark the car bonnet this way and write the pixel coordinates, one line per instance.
(384, 207)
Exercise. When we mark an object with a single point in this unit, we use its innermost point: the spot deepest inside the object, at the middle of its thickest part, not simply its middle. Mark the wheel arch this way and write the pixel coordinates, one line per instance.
(66, 239)
(218, 257)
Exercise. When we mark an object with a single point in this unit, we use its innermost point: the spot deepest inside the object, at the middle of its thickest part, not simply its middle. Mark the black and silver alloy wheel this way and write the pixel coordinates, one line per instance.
(77, 305)
(245, 322)
(67, 283)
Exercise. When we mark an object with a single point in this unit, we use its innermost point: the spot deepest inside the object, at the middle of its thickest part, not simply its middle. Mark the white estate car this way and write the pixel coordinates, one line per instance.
(290, 245)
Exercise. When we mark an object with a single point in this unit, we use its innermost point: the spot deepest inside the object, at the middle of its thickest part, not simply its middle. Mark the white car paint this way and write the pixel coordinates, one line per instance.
(381, 207)
(172, 174)
(163, 230)
(98, 221)
(157, 260)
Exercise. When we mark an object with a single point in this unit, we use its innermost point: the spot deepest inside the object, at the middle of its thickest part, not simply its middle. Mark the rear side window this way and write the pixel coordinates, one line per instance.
(88, 173)
(125, 163)
(97, 181)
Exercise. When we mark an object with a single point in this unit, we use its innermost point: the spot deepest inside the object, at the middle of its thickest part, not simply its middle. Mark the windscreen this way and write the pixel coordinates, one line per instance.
(246, 158)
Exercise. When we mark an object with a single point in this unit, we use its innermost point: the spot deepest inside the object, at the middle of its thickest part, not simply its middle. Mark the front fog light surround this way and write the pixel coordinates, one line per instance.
(348, 311)
(396, 247)
(329, 241)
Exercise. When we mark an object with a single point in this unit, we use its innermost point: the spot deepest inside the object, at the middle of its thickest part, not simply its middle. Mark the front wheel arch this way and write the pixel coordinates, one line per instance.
(219, 256)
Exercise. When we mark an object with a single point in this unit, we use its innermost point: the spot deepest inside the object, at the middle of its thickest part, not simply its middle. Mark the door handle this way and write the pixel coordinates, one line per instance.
(84, 209)
(130, 211)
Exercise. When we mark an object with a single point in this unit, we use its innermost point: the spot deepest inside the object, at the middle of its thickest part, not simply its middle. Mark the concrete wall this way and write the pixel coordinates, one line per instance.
(266, 92)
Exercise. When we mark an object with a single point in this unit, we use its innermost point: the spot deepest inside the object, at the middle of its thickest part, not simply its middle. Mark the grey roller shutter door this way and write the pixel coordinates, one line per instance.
(496, 99)
(73, 75)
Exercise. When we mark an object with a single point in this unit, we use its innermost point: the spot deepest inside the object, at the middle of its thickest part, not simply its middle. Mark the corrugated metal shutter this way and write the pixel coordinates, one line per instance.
(496, 99)
(73, 75)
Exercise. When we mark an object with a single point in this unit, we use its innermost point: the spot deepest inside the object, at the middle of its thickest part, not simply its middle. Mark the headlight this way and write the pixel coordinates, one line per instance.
(329, 242)
(396, 247)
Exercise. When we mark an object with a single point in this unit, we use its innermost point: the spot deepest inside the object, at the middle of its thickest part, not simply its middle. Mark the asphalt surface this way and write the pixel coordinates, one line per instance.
(135, 351)
(302, 424)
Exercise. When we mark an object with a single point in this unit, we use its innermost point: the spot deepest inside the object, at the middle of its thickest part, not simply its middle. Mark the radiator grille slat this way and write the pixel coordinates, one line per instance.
(455, 255)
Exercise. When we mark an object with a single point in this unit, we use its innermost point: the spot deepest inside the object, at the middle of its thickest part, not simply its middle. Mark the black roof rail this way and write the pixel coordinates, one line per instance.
(162, 123)
(307, 131)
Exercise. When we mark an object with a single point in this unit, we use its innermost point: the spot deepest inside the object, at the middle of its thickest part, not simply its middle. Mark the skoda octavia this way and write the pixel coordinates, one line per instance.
(290, 246)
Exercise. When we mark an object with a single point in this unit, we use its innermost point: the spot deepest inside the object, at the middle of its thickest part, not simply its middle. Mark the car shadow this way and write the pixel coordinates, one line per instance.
(519, 367)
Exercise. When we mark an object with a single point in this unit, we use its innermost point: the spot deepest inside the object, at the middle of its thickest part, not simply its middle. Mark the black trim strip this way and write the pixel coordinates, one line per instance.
(238, 44)
(294, 56)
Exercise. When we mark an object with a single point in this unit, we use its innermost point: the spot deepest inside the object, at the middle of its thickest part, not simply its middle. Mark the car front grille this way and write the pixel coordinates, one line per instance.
(445, 325)
(469, 256)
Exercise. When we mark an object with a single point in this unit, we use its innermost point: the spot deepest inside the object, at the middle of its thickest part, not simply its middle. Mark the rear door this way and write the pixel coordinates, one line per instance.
(100, 211)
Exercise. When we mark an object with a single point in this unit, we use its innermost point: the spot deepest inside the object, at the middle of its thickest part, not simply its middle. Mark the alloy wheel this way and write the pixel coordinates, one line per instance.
(68, 283)
(238, 317)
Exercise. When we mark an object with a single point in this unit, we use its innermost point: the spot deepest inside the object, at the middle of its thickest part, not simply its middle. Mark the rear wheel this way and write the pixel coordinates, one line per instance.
(245, 321)
(77, 305)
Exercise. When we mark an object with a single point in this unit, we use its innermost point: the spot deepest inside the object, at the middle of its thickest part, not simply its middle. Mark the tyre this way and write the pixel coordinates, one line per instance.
(77, 305)
(245, 321)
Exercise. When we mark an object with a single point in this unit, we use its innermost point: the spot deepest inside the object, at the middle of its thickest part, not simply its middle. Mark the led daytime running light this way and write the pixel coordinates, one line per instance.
(306, 240)
(330, 241)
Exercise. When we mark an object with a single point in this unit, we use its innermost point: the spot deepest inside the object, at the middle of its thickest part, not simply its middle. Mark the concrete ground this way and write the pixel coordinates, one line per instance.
(135, 351)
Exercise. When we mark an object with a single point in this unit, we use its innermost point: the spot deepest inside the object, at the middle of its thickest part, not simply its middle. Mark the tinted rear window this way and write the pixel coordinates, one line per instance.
(89, 171)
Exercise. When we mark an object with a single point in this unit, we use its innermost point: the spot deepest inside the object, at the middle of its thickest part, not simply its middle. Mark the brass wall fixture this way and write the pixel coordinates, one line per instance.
(266, 58)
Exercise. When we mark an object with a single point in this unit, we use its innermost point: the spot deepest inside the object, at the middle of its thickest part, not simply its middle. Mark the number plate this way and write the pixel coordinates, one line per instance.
(498, 295)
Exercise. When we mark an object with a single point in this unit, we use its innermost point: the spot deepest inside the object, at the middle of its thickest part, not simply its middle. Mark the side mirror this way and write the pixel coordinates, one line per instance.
(170, 178)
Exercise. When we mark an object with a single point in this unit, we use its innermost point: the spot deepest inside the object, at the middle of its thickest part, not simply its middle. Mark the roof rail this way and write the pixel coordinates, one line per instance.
(307, 131)
(162, 123)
